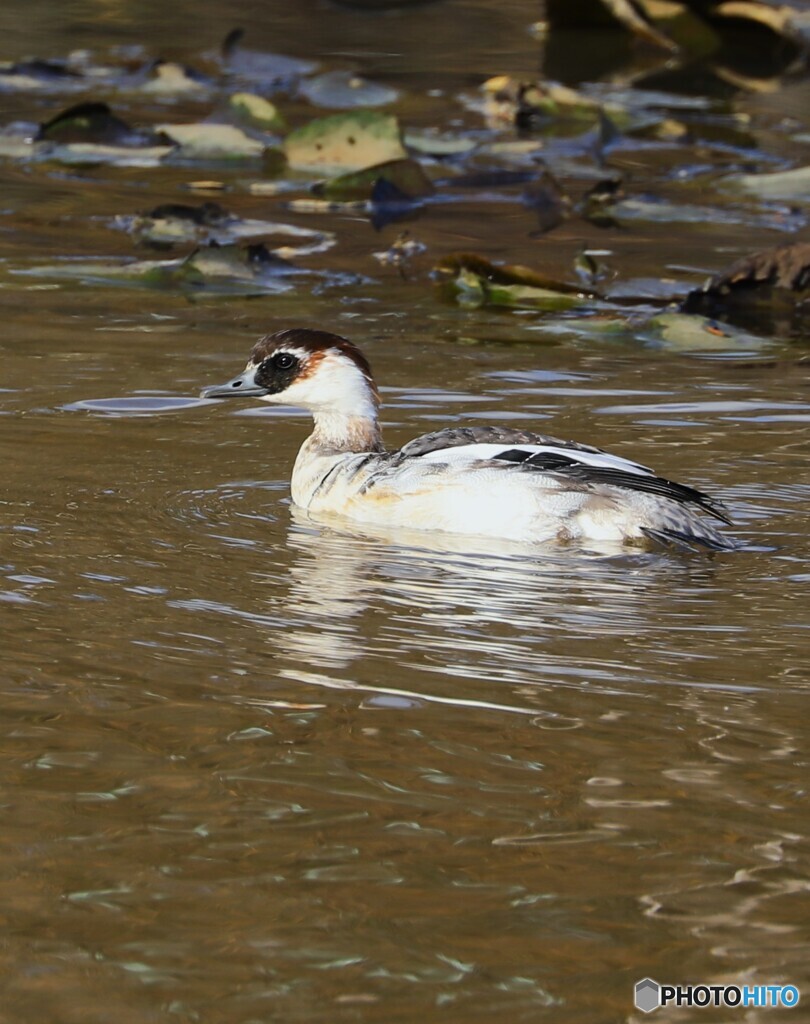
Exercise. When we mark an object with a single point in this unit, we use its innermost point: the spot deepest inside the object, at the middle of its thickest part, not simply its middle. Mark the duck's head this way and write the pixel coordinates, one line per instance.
(316, 370)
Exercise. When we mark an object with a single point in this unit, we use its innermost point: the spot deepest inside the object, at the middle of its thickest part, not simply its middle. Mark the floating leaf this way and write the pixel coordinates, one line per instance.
(434, 143)
(95, 123)
(473, 291)
(405, 175)
(473, 281)
(673, 332)
(590, 269)
(523, 151)
(177, 222)
(272, 188)
(206, 186)
(662, 211)
(92, 154)
(510, 101)
(225, 263)
(329, 206)
(345, 90)
(166, 77)
(344, 142)
(208, 141)
(174, 223)
(257, 111)
(269, 69)
(790, 185)
(502, 274)
(38, 74)
(600, 327)
(16, 145)
(655, 290)
(685, 333)
(218, 270)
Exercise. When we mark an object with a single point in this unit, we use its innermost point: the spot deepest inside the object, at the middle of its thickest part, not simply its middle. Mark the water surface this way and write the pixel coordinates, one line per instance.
(259, 768)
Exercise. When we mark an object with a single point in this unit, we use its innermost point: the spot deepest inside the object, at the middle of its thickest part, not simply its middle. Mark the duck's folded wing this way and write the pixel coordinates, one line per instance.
(458, 437)
(519, 447)
(580, 465)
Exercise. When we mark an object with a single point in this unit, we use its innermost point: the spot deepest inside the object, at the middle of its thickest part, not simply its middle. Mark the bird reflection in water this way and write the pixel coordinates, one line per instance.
(482, 613)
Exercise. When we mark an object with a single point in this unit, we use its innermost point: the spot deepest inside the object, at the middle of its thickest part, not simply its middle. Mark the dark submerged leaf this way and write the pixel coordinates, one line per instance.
(231, 41)
(490, 177)
(206, 214)
(47, 70)
(389, 204)
(96, 123)
(407, 176)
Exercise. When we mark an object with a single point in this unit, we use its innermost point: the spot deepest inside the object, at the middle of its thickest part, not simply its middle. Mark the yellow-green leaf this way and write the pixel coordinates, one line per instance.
(344, 142)
(257, 111)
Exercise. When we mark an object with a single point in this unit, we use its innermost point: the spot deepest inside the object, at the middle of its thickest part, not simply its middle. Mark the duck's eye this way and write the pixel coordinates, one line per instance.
(283, 361)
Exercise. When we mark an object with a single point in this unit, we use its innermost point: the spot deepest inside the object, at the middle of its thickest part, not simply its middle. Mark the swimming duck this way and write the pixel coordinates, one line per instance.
(488, 481)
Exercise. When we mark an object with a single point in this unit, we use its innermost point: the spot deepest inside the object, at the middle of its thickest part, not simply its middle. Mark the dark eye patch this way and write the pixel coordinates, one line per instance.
(278, 371)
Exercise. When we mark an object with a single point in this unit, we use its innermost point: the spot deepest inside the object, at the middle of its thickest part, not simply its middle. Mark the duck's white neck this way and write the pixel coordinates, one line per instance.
(337, 431)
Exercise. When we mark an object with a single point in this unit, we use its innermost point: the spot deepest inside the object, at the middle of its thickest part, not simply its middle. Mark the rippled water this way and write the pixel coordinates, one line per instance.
(260, 768)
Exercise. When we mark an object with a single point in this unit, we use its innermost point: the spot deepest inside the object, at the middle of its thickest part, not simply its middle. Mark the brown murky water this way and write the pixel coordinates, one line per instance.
(258, 769)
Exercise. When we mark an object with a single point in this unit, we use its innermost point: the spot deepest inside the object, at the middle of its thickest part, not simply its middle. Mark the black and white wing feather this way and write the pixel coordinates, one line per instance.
(463, 437)
(581, 465)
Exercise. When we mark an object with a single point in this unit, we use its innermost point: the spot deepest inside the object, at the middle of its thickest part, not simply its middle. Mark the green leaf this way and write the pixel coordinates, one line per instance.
(406, 175)
(473, 281)
(344, 142)
(682, 332)
(257, 111)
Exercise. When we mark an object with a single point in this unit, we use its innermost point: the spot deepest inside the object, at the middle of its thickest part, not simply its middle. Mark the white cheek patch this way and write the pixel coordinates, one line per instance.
(336, 385)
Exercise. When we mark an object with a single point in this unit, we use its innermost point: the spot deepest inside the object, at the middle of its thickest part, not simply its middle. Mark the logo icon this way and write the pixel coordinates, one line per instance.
(648, 995)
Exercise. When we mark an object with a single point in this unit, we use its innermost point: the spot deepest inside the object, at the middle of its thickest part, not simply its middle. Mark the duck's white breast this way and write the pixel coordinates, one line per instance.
(427, 494)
